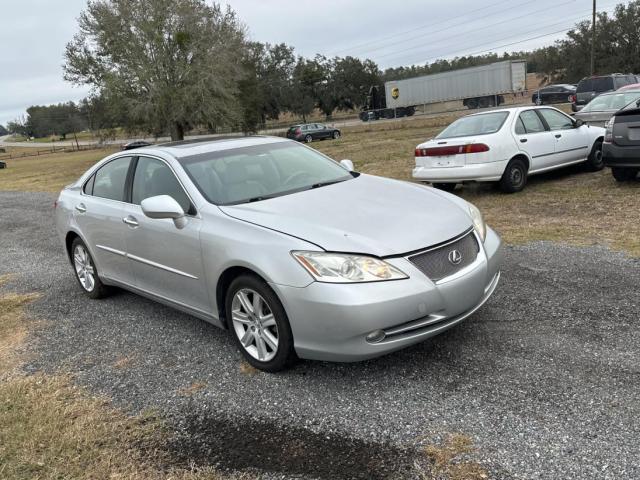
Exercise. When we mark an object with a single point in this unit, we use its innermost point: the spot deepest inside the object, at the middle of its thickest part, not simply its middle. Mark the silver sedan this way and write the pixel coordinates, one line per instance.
(298, 256)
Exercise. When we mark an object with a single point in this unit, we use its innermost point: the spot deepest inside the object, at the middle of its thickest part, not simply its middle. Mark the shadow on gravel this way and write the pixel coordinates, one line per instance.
(269, 447)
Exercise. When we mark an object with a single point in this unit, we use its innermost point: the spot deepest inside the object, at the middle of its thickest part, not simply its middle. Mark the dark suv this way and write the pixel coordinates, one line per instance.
(621, 147)
(309, 132)
(591, 87)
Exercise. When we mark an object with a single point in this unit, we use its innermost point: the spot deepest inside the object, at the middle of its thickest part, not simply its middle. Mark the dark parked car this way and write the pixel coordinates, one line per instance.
(308, 132)
(135, 144)
(560, 93)
(621, 147)
(3, 165)
(591, 87)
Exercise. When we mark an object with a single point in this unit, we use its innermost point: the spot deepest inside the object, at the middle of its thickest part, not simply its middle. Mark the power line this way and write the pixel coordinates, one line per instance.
(501, 39)
(381, 39)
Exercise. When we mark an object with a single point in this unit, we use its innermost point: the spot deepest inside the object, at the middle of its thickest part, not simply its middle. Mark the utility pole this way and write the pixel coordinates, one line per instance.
(593, 38)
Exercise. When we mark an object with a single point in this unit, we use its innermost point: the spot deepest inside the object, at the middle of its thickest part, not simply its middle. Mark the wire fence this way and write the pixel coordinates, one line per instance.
(33, 152)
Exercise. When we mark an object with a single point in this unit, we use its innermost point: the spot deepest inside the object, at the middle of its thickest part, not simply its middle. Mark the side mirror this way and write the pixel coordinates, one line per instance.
(579, 123)
(164, 206)
(348, 164)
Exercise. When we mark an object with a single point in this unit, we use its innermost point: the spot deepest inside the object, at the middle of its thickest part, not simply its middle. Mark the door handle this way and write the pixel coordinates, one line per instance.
(523, 140)
(131, 221)
(81, 208)
(558, 135)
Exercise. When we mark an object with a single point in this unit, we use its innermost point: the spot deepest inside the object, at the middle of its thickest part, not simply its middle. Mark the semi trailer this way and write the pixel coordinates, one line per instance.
(477, 87)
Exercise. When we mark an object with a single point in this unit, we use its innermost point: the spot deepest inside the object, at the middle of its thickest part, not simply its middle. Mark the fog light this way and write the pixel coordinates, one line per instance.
(375, 336)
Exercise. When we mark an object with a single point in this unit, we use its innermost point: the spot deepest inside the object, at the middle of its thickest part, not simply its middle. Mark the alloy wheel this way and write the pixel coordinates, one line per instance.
(254, 324)
(84, 268)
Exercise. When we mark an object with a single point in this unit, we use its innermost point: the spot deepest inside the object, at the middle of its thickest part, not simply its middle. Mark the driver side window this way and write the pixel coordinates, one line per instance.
(154, 177)
(556, 120)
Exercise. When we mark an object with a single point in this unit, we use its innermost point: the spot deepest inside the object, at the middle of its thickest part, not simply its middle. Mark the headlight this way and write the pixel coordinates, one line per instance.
(344, 268)
(478, 221)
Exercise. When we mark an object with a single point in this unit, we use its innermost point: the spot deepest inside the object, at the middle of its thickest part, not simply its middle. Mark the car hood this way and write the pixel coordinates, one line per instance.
(368, 214)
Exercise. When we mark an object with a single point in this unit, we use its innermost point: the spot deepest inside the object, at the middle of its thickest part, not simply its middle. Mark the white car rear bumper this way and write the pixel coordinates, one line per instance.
(479, 172)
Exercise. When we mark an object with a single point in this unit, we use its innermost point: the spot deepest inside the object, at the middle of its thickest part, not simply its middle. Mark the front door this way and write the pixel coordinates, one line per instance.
(571, 142)
(534, 139)
(166, 261)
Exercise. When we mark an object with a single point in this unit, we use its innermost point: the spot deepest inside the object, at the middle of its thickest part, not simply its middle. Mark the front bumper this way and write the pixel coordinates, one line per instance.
(330, 321)
(479, 172)
(618, 156)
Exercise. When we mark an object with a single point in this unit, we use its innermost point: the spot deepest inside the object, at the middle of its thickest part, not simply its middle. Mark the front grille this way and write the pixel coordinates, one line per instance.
(435, 263)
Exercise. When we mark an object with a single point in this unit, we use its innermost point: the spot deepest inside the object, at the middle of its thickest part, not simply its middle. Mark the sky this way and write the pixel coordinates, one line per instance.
(33, 34)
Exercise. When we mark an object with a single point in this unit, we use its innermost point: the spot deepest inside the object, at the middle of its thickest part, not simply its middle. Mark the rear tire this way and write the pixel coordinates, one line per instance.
(447, 187)
(262, 335)
(86, 271)
(595, 162)
(514, 177)
(624, 174)
(336, 135)
(308, 139)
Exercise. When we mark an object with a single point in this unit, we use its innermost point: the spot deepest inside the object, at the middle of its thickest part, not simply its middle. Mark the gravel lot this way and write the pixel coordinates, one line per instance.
(544, 379)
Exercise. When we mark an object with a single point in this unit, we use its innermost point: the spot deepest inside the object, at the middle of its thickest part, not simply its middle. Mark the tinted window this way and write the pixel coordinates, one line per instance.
(153, 177)
(585, 85)
(482, 124)
(531, 122)
(254, 173)
(602, 84)
(110, 179)
(556, 120)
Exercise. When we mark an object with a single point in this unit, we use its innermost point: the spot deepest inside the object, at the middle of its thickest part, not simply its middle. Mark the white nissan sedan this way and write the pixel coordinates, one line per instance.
(506, 146)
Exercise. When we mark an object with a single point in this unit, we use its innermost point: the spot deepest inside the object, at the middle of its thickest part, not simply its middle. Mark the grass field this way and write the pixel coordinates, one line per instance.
(568, 205)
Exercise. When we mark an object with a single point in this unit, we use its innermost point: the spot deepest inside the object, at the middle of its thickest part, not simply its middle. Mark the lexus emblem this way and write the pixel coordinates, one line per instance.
(455, 257)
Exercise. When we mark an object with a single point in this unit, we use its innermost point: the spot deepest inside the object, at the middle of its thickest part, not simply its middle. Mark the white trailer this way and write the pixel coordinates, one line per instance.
(477, 87)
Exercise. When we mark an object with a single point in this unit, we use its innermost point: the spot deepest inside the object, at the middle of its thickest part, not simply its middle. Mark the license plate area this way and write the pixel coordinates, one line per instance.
(448, 161)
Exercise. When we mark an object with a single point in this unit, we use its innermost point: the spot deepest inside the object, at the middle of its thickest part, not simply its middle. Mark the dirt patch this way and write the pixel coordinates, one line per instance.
(450, 459)
(246, 444)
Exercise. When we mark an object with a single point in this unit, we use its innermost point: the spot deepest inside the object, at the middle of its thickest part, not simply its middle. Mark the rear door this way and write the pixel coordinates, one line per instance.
(99, 213)
(572, 143)
(533, 138)
(167, 261)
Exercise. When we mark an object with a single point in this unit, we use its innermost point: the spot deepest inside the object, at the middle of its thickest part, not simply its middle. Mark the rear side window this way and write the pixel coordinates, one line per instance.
(585, 85)
(110, 179)
(556, 120)
(530, 122)
(603, 84)
(153, 177)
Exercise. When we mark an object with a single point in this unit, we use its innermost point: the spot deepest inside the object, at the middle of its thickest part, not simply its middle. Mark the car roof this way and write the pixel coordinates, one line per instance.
(186, 148)
(517, 109)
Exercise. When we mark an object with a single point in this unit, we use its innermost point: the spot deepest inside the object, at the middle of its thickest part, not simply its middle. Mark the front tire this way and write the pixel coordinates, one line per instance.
(447, 187)
(514, 177)
(538, 101)
(86, 271)
(624, 174)
(259, 325)
(595, 162)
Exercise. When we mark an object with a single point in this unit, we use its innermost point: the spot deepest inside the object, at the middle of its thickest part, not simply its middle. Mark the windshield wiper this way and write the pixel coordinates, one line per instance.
(324, 184)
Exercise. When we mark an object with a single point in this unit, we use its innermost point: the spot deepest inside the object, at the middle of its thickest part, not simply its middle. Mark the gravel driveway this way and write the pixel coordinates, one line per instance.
(544, 379)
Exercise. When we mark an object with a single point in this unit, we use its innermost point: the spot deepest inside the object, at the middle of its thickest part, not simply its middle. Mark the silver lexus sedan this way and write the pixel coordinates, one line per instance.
(298, 256)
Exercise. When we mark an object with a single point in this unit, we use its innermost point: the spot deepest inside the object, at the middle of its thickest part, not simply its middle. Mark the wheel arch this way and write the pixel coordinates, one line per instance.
(223, 283)
(522, 156)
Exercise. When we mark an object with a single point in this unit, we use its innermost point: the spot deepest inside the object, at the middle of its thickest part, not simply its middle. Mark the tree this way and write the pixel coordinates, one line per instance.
(3, 130)
(174, 62)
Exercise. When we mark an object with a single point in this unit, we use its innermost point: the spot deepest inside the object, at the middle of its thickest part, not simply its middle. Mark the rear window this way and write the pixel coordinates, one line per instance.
(602, 84)
(585, 85)
(613, 101)
(482, 124)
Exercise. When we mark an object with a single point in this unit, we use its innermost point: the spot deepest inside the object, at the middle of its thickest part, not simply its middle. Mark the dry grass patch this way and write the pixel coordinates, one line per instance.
(248, 369)
(51, 429)
(449, 459)
(48, 173)
(192, 389)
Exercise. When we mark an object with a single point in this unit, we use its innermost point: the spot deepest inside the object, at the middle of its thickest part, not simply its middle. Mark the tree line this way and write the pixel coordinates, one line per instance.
(169, 66)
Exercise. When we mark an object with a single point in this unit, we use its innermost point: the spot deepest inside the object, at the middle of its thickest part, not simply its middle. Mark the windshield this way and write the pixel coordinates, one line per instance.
(482, 124)
(613, 101)
(250, 174)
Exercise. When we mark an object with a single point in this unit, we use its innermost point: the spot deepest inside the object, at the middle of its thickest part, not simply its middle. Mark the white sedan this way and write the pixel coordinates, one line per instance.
(506, 146)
